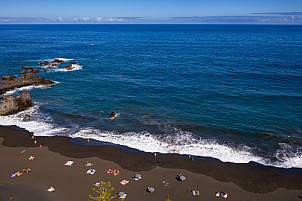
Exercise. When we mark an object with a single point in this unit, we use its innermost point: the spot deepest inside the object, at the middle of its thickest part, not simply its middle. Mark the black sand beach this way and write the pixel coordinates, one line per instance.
(240, 181)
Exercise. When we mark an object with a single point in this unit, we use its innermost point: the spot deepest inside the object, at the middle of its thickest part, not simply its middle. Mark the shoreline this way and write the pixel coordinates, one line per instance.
(248, 177)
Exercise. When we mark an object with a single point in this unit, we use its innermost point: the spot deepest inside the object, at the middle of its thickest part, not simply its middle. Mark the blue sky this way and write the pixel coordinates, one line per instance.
(68, 10)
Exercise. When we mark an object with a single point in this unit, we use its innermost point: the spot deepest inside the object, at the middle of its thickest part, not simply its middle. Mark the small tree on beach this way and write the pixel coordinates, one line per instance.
(104, 190)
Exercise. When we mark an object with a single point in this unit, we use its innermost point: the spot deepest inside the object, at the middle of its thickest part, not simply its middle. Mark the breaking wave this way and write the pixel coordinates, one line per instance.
(180, 142)
(74, 67)
(13, 91)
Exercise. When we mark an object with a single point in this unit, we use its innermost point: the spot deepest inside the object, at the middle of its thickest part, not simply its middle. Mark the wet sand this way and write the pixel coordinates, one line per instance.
(241, 181)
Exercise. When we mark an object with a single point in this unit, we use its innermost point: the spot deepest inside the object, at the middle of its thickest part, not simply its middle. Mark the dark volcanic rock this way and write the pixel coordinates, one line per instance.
(44, 63)
(28, 68)
(47, 68)
(112, 115)
(11, 105)
(29, 79)
(58, 61)
(7, 78)
(70, 66)
(22, 73)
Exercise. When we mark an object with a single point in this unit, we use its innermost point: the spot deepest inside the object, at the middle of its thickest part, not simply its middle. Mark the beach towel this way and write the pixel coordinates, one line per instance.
(124, 182)
(51, 189)
(116, 173)
(22, 151)
(91, 171)
(88, 164)
(69, 163)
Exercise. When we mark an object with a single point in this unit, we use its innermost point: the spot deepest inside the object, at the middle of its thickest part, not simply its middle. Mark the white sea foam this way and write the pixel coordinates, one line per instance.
(180, 142)
(33, 121)
(74, 67)
(13, 91)
(63, 59)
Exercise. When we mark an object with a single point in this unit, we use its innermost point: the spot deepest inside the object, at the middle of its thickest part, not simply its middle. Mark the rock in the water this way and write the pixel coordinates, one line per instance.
(58, 61)
(7, 78)
(112, 115)
(47, 68)
(44, 63)
(28, 68)
(11, 105)
(69, 67)
(22, 73)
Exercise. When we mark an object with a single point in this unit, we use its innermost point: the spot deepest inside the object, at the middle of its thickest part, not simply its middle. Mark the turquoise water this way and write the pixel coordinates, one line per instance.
(236, 88)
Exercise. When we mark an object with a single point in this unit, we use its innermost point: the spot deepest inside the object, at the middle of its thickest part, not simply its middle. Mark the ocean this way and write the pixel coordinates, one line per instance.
(230, 92)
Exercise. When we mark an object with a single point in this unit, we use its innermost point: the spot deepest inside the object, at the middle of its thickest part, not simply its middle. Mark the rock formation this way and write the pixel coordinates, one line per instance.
(44, 63)
(58, 61)
(22, 73)
(112, 115)
(29, 79)
(70, 66)
(10, 105)
(28, 68)
(7, 78)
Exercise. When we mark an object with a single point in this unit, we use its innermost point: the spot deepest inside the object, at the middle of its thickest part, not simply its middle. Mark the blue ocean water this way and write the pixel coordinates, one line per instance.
(232, 92)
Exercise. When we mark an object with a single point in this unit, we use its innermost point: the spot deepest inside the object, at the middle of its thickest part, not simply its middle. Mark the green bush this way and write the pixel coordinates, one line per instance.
(104, 191)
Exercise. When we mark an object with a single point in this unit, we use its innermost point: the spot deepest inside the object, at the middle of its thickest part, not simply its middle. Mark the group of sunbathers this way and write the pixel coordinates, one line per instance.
(195, 192)
(24, 171)
(222, 194)
(31, 158)
(114, 172)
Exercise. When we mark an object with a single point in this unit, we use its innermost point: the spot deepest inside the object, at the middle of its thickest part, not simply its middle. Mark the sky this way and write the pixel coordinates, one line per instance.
(148, 11)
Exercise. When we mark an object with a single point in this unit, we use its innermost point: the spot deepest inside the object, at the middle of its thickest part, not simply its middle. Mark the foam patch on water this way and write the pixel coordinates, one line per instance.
(74, 67)
(63, 59)
(27, 88)
(33, 121)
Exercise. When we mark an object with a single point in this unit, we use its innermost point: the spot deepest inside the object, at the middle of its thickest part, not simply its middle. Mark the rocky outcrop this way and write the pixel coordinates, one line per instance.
(70, 66)
(58, 61)
(7, 78)
(11, 105)
(29, 79)
(44, 63)
(47, 68)
(22, 73)
(28, 68)
(112, 115)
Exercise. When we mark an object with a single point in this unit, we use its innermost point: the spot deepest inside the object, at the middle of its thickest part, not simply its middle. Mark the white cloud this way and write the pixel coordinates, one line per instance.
(60, 19)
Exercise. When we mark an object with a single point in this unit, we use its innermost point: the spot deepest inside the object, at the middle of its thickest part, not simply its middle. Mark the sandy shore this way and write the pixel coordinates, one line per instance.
(241, 181)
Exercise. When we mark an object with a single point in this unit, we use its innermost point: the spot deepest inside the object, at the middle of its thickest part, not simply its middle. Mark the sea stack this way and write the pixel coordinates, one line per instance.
(11, 105)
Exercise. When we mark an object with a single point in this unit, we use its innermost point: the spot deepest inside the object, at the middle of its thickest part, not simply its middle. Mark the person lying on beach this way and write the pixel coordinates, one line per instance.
(195, 192)
(109, 171)
(51, 189)
(91, 171)
(28, 170)
(31, 158)
(124, 182)
(22, 151)
(116, 172)
(10, 196)
(97, 184)
(223, 194)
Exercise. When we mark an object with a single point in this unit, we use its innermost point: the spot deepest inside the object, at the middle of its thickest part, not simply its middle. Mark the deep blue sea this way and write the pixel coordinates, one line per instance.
(232, 92)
